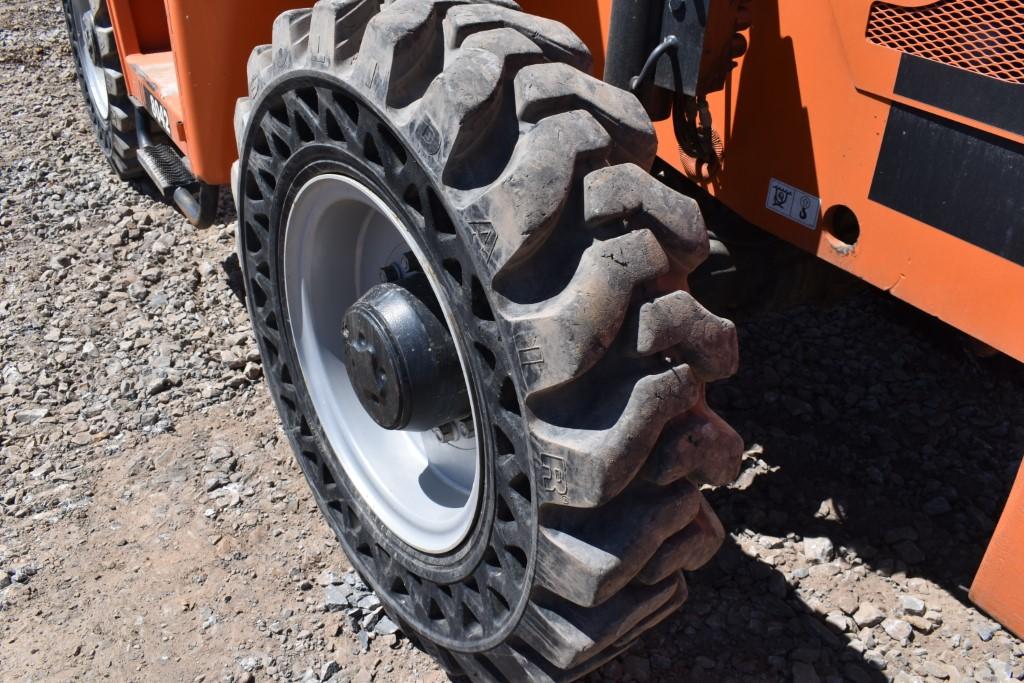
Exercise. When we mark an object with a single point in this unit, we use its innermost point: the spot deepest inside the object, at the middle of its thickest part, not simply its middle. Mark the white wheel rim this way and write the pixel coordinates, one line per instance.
(95, 79)
(338, 235)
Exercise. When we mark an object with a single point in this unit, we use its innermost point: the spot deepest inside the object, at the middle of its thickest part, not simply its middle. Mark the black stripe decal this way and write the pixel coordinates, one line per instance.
(988, 100)
(958, 179)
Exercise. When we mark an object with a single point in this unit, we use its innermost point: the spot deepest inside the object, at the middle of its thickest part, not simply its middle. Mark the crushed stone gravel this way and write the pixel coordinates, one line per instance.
(153, 525)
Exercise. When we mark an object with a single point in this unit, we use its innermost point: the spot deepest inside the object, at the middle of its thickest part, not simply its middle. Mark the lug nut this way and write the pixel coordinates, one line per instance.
(446, 433)
(409, 263)
(390, 273)
(453, 431)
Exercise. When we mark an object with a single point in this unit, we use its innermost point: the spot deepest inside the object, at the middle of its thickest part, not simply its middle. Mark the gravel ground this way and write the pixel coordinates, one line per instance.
(154, 527)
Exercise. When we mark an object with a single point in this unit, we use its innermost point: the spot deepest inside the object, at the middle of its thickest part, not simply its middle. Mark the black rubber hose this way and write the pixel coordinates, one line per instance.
(635, 30)
(628, 41)
(638, 81)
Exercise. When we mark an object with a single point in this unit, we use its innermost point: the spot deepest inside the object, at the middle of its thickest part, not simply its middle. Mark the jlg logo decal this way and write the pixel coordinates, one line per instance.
(157, 111)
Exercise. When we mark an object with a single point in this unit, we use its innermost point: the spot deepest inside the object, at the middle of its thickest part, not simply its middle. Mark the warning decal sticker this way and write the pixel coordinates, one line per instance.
(794, 204)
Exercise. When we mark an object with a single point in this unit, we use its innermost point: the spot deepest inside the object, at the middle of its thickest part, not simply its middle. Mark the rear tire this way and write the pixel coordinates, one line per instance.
(526, 181)
(106, 96)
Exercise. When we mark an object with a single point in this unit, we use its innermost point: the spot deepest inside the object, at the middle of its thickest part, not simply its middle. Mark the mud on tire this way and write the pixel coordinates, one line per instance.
(566, 261)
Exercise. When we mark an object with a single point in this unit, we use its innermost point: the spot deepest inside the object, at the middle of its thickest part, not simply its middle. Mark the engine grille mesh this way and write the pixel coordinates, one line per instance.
(983, 36)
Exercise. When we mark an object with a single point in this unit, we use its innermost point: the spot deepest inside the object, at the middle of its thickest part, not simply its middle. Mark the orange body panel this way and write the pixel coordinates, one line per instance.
(210, 45)
(807, 109)
(589, 19)
(996, 588)
(155, 73)
(141, 26)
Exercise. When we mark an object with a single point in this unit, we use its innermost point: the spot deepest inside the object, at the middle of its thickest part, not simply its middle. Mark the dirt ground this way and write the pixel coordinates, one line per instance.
(153, 525)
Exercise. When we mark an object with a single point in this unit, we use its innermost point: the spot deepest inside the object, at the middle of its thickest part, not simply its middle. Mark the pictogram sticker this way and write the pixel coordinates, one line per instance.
(794, 204)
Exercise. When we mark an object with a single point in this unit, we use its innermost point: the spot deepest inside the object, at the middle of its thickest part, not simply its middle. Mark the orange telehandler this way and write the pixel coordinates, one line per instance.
(469, 232)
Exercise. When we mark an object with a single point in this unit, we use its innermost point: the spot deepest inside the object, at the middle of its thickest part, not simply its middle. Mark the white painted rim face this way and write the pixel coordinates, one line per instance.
(338, 236)
(95, 79)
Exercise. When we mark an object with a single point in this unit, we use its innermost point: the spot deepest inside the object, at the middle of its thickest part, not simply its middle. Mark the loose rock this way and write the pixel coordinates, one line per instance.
(867, 615)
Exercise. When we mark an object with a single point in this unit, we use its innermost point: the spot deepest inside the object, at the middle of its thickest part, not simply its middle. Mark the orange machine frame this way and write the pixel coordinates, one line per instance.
(190, 56)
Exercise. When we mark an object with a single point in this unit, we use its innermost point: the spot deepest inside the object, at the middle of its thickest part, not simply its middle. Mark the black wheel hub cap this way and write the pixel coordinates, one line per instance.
(401, 359)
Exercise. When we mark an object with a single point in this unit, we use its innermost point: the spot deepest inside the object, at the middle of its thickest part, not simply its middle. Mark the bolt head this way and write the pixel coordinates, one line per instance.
(446, 433)
(409, 263)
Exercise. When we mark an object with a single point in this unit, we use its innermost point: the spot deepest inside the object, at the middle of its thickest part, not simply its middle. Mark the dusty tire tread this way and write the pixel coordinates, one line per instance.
(573, 181)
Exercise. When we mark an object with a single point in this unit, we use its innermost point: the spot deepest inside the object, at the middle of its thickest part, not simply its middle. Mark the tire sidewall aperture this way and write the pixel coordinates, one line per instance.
(347, 513)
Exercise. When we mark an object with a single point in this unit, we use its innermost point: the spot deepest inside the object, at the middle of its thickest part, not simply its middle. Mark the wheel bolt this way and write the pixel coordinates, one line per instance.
(409, 263)
(446, 433)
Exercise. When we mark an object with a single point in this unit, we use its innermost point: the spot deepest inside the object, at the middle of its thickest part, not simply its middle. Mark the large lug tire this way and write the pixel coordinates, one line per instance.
(101, 77)
(526, 183)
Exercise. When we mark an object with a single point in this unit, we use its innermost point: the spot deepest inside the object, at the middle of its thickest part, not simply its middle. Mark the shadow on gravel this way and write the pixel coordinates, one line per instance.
(880, 433)
(226, 213)
(233, 273)
(868, 424)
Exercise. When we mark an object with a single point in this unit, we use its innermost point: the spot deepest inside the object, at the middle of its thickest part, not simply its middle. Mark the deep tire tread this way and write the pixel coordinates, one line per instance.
(541, 159)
